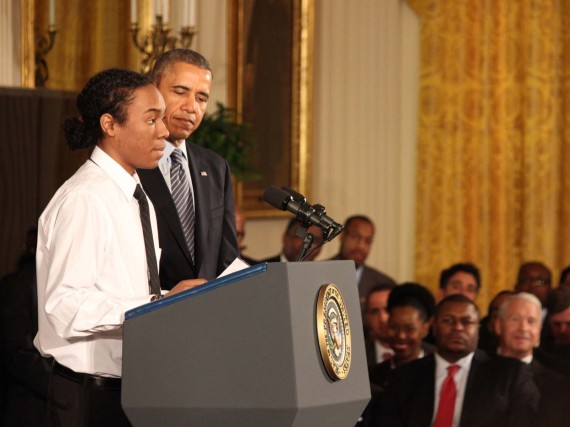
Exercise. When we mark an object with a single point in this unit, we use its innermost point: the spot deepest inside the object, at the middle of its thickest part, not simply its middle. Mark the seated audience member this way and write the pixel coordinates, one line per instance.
(558, 308)
(459, 385)
(355, 244)
(463, 278)
(293, 243)
(376, 323)
(565, 278)
(518, 326)
(410, 308)
(488, 340)
(240, 232)
(27, 372)
(535, 278)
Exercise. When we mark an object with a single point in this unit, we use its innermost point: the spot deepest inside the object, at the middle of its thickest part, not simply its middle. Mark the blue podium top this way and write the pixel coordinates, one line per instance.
(190, 293)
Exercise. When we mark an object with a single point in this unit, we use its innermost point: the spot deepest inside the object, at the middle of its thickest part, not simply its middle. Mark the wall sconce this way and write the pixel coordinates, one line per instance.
(156, 41)
(42, 45)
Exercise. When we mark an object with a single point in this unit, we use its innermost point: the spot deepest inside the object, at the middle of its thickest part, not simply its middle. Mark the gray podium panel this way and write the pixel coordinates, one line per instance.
(244, 353)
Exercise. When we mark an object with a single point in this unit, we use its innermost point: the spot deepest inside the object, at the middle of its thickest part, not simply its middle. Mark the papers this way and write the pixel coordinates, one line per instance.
(237, 265)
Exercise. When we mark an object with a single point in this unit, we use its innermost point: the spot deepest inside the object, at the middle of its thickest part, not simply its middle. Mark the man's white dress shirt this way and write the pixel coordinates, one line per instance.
(460, 378)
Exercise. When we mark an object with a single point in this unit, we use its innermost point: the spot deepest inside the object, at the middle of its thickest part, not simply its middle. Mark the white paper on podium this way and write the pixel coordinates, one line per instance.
(237, 265)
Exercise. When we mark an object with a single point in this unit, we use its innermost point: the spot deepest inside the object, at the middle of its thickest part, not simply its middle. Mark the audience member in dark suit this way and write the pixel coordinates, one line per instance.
(536, 278)
(27, 371)
(355, 244)
(376, 325)
(478, 390)
(518, 326)
(240, 232)
(558, 308)
(293, 243)
(488, 340)
(184, 78)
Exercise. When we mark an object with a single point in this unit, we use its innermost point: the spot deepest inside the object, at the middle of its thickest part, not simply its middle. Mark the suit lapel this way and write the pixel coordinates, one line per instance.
(159, 192)
(201, 186)
(471, 401)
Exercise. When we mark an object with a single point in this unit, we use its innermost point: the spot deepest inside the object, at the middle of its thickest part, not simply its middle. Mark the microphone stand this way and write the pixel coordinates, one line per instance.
(307, 242)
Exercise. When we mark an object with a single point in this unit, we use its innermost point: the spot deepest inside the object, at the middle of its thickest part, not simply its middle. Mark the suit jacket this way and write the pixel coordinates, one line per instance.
(370, 279)
(215, 244)
(554, 410)
(499, 392)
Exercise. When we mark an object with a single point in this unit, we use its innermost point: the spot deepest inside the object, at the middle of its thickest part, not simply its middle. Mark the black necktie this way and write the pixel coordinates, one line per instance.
(152, 266)
(182, 198)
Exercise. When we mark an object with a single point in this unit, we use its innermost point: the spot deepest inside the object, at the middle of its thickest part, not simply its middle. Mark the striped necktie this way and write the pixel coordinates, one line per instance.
(182, 197)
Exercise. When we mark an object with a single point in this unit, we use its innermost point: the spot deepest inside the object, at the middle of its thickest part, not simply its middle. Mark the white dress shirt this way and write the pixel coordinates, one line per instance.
(91, 266)
(460, 378)
(381, 351)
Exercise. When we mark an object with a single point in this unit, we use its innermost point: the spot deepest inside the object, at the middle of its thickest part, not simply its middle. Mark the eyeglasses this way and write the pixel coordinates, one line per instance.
(535, 282)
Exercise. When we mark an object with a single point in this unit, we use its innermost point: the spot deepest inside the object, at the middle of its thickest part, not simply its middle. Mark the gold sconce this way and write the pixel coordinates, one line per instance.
(156, 41)
(42, 45)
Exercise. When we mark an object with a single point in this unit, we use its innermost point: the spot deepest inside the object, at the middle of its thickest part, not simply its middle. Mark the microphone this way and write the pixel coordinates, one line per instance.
(289, 200)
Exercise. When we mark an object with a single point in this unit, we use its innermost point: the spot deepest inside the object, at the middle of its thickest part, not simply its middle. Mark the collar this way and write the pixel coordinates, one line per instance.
(125, 181)
(526, 359)
(164, 163)
(441, 364)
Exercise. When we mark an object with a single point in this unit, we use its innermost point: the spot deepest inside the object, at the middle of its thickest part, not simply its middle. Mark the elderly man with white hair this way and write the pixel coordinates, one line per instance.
(518, 326)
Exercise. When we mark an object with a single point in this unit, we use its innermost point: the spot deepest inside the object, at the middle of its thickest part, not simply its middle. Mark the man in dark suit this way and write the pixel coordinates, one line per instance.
(518, 325)
(293, 243)
(202, 246)
(355, 244)
(459, 385)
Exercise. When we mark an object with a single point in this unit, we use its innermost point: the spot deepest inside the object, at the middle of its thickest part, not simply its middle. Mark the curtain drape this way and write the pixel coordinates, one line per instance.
(91, 36)
(493, 182)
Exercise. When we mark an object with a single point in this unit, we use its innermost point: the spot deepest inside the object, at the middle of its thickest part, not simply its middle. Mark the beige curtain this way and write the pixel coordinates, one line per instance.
(92, 36)
(493, 182)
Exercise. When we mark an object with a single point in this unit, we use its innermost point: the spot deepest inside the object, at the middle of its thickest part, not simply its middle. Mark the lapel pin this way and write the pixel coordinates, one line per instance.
(203, 173)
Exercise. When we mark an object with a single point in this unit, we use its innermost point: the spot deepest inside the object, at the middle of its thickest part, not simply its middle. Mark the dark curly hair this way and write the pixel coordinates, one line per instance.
(413, 295)
(109, 91)
(468, 268)
(174, 56)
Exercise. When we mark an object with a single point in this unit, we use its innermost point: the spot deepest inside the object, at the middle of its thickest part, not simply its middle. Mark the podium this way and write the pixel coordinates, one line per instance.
(245, 350)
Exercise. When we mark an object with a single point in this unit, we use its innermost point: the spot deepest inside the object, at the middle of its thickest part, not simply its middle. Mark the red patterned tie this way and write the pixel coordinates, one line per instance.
(444, 417)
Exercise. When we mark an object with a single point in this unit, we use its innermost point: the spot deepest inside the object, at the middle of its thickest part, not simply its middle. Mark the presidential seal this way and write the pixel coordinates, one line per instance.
(333, 330)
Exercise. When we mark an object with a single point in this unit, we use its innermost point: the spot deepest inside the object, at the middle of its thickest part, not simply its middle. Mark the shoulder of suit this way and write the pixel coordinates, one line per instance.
(203, 152)
(378, 274)
(411, 369)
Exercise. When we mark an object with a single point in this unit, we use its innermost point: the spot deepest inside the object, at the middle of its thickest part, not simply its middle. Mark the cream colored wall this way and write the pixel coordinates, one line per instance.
(10, 46)
(365, 86)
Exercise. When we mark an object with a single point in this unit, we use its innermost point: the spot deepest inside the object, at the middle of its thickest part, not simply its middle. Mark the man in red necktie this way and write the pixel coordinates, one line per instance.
(459, 385)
